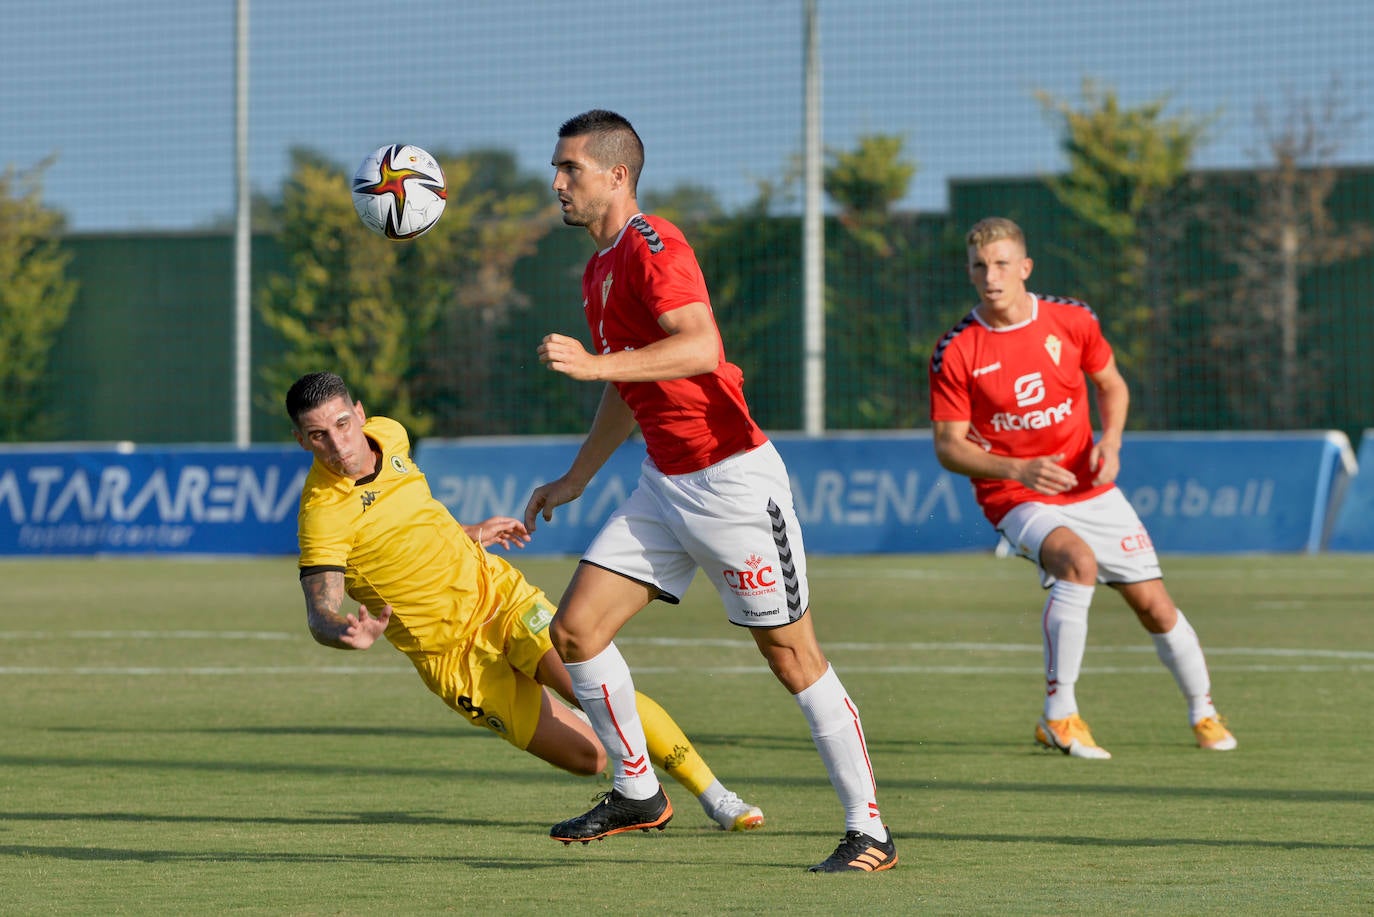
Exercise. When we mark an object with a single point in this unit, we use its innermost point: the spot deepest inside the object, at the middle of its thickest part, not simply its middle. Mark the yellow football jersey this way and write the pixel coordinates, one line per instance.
(398, 546)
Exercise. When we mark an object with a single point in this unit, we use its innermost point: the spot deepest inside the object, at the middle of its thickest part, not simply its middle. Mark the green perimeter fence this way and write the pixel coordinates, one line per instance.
(1212, 200)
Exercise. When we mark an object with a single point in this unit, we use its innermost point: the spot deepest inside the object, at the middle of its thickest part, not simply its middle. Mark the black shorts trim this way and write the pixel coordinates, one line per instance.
(770, 626)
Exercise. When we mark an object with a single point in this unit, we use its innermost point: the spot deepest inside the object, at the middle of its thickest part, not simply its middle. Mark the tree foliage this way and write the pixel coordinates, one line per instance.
(410, 325)
(752, 261)
(1127, 187)
(872, 320)
(1274, 226)
(866, 183)
(35, 300)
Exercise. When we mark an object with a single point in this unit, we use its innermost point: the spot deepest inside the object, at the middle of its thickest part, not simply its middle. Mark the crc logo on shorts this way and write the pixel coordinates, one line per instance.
(757, 578)
(1029, 389)
(1140, 541)
(496, 724)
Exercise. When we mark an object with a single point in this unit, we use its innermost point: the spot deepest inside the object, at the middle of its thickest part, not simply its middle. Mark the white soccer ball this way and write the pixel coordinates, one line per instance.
(399, 191)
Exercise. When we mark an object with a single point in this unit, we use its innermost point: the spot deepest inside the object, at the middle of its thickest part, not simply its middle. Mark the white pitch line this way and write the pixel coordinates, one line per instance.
(958, 646)
(1019, 671)
(707, 642)
(1360, 660)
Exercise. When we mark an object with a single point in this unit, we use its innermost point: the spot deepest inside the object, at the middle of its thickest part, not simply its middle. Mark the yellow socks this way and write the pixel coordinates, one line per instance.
(670, 749)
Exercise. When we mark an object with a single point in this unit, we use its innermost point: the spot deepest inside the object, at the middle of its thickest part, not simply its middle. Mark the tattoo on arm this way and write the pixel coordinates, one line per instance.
(324, 598)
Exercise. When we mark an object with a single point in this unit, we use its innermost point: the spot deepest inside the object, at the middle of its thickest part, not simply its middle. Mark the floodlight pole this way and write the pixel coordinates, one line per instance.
(813, 233)
(243, 238)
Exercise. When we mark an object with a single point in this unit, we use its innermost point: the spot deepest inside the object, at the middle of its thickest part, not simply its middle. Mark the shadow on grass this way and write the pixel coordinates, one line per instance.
(134, 855)
(310, 769)
(555, 861)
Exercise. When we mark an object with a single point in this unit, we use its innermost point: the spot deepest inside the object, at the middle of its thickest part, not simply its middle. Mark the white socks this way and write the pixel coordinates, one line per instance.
(602, 685)
(1065, 627)
(1181, 653)
(1066, 636)
(839, 737)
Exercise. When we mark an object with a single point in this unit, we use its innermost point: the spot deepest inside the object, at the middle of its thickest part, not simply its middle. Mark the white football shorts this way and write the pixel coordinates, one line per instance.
(733, 519)
(1107, 522)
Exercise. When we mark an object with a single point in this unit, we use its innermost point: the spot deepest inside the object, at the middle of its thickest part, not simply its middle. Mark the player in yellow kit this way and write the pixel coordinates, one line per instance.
(475, 629)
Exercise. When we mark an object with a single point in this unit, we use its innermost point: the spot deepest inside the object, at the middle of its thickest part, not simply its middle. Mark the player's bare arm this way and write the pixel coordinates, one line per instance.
(691, 348)
(956, 452)
(612, 425)
(1113, 403)
(324, 597)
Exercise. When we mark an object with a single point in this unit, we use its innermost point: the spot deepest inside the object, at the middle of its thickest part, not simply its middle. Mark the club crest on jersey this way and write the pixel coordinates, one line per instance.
(399, 464)
(1053, 346)
(606, 289)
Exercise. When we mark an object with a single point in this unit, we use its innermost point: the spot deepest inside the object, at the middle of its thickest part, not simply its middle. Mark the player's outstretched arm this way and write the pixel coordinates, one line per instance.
(324, 595)
(613, 424)
(506, 531)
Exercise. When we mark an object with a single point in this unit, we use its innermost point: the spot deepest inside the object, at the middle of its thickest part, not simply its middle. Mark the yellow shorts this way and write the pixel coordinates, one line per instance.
(490, 679)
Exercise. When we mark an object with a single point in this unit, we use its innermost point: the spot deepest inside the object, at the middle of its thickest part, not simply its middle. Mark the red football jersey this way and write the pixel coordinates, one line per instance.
(1024, 393)
(650, 270)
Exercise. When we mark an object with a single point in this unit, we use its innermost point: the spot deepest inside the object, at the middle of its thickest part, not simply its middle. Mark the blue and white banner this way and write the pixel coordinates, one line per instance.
(112, 500)
(861, 493)
(856, 493)
(1226, 493)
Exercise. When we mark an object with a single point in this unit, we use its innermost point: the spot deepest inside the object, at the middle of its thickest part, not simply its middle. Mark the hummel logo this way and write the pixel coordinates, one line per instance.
(984, 370)
(369, 498)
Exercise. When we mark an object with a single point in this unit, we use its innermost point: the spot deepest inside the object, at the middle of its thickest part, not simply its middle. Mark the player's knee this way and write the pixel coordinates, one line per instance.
(1073, 566)
(578, 642)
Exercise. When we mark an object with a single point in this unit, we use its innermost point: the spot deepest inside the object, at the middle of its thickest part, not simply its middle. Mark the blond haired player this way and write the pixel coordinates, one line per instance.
(475, 629)
(1009, 409)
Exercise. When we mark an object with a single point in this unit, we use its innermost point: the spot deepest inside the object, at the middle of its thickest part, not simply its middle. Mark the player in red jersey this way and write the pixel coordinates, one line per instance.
(1009, 408)
(713, 493)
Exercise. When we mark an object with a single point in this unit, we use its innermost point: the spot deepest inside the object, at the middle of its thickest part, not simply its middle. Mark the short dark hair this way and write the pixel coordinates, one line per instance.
(614, 140)
(312, 390)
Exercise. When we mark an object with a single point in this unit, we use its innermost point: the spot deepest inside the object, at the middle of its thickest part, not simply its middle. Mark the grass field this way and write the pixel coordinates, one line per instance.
(172, 741)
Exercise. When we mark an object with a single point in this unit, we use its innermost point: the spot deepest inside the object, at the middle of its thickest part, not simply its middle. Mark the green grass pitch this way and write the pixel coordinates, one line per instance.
(172, 741)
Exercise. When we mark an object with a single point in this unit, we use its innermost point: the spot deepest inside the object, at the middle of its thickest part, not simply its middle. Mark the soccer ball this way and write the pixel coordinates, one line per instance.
(399, 191)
